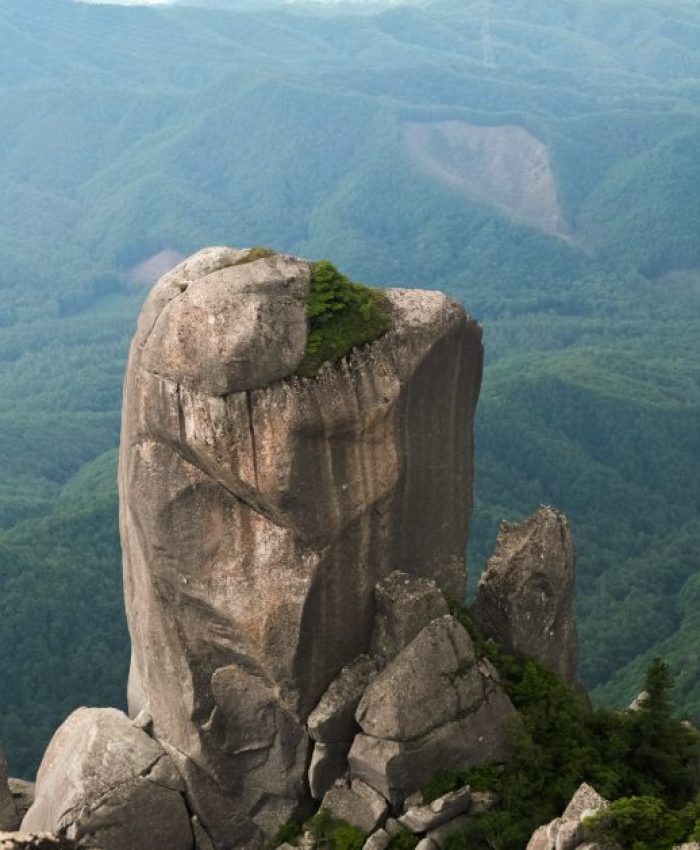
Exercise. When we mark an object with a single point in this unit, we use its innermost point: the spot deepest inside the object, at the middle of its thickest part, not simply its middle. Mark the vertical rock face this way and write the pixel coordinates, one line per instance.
(258, 511)
(525, 596)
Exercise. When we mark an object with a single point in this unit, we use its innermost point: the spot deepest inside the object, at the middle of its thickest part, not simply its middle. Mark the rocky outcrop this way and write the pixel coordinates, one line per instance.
(259, 511)
(420, 819)
(329, 763)
(107, 784)
(434, 680)
(434, 825)
(333, 719)
(568, 832)
(524, 599)
(357, 804)
(9, 819)
(403, 605)
(398, 767)
(434, 706)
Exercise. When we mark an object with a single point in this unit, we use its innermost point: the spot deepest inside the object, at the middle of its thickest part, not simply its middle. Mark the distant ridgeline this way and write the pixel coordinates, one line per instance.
(536, 162)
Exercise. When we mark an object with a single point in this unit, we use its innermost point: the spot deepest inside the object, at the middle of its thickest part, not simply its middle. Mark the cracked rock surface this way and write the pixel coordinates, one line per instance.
(434, 680)
(525, 596)
(258, 511)
(106, 784)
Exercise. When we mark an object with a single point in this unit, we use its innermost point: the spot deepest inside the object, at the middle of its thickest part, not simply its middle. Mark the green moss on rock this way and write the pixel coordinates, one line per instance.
(342, 315)
(333, 833)
(259, 252)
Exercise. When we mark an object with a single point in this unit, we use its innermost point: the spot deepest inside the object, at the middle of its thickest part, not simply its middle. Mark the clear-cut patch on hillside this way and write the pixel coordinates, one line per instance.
(505, 167)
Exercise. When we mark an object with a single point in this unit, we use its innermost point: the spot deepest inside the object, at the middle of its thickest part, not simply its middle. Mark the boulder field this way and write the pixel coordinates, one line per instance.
(292, 547)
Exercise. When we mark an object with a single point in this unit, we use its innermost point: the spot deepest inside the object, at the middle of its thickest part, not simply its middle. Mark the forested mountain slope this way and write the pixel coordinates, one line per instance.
(539, 160)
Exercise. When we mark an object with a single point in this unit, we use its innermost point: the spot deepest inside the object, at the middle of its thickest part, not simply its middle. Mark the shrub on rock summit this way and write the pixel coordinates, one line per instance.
(342, 315)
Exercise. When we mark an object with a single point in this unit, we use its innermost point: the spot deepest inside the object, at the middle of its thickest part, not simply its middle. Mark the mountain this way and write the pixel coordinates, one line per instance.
(537, 160)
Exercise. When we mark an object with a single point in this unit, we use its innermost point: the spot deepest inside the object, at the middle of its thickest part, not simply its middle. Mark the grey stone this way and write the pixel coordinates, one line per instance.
(404, 604)
(638, 701)
(393, 827)
(586, 799)
(425, 818)
(237, 328)
(202, 841)
(540, 839)
(333, 719)
(440, 835)
(256, 522)
(105, 783)
(553, 831)
(569, 835)
(397, 768)
(23, 795)
(524, 599)
(329, 763)
(378, 840)
(9, 819)
(426, 844)
(358, 804)
(567, 832)
(432, 681)
(483, 801)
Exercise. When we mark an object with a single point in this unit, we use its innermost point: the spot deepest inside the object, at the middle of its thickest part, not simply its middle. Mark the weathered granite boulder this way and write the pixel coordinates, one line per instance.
(214, 321)
(397, 767)
(540, 839)
(358, 804)
(259, 510)
(568, 832)
(378, 840)
(425, 818)
(524, 599)
(333, 719)
(585, 801)
(435, 707)
(329, 763)
(435, 679)
(9, 819)
(106, 784)
(403, 605)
